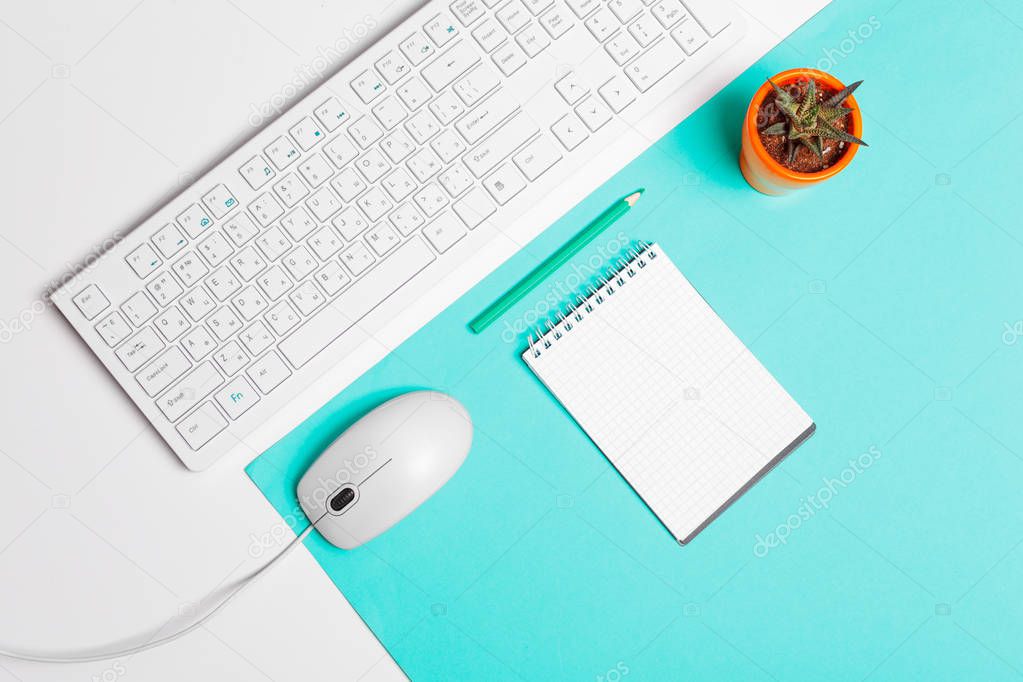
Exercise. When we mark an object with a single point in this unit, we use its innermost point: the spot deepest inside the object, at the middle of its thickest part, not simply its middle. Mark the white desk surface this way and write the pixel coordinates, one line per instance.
(106, 111)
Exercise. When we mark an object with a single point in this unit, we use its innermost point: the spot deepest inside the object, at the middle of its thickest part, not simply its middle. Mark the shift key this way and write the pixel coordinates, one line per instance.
(357, 301)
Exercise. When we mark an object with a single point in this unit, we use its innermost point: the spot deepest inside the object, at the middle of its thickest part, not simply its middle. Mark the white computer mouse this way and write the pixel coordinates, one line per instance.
(384, 466)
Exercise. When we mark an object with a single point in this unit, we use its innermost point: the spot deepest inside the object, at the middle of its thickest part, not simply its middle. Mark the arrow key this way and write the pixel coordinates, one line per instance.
(570, 131)
(617, 93)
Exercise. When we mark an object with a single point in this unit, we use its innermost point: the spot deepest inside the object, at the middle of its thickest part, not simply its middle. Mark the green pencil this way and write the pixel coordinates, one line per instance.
(555, 261)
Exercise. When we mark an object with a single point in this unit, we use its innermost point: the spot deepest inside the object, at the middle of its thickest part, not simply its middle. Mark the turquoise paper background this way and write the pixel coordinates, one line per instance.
(886, 301)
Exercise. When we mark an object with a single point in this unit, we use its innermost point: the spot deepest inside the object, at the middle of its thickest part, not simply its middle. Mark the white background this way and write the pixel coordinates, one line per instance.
(107, 110)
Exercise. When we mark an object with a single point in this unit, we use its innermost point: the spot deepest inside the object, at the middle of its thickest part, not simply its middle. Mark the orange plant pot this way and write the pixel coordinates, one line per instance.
(765, 174)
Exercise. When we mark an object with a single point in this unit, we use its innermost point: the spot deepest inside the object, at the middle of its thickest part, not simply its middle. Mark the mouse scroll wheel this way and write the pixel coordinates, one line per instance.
(342, 499)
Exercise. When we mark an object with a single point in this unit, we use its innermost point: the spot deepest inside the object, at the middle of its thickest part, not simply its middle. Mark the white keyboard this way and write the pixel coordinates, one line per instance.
(226, 303)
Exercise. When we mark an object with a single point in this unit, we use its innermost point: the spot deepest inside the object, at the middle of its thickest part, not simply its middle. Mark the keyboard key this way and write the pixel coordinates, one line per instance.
(467, 11)
(307, 133)
(215, 249)
(374, 203)
(368, 86)
(282, 318)
(282, 152)
(487, 116)
(201, 426)
(625, 9)
(222, 283)
(644, 30)
(257, 338)
(325, 242)
(332, 278)
(509, 58)
(393, 67)
(712, 16)
(194, 220)
(199, 343)
(219, 201)
(341, 151)
(250, 302)
(489, 35)
(513, 16)
(143, 260)
(413, 93)
(557, 22)
(446, 107)
(256, 171)
(357, 259)
(382, 239)
(444, 231)
(265, 209)
(300, 263)
(237, 397)
(197, 303)
(290, 189)
(372, 165)
(407, 218)
(189, 269)
(323, 203)
(448, 146)
(273, 243)
(169, 240)
(397, 145)
(498, 146)
(536, 157)
(240, 229)
(602, 24)
(430, 199)
(138, 308)
(193, 388)
(617, 93)
(504, 183)
(654, 64)
(354, 303)
(593, 113)
(399, 184)
(668, 12)
(389, 112)
(570, 88)
(449, 66)
(622, 48)
(268, 372)
(475, 86)
(455, 179)
(160, 373)
(689, 36)
(315, 170)
(224, 323)
(474, 207)
(140, 349)
(164, 289)
(248, 263)
(274, 282)
(331, 114)
(171, 323)
(298, 223)
(569, 131)
(348, 184)
(422, 126)
(424, 165)
(307, 297)
(537, 6)
(440, 29)
(416, 48)
(365, 131)
(231, 358)
(532, 40)
(91, 301)
(583, 7)
(350, 223)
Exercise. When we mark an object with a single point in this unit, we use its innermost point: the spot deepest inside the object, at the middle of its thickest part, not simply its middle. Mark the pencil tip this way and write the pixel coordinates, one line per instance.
(633, 198)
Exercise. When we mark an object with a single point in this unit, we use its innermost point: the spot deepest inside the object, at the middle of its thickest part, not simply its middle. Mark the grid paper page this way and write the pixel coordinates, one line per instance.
(671, 397)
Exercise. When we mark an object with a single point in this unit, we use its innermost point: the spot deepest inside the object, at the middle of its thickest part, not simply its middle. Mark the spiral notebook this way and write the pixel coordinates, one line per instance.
(668, 393)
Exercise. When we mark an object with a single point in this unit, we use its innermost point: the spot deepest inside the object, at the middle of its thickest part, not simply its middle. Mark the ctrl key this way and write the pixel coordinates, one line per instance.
(199, 427)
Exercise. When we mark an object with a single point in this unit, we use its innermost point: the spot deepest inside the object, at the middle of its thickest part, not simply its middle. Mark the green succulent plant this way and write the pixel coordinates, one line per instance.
(809, 122)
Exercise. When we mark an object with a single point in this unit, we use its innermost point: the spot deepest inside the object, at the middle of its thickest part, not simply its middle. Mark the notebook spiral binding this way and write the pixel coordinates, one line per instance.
(617, 277)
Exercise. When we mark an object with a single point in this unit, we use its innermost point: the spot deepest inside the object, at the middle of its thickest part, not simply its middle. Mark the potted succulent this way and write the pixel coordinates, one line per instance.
(802, 127)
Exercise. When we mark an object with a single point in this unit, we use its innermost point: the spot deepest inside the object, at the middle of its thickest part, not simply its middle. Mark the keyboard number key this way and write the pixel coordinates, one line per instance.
(164, 289)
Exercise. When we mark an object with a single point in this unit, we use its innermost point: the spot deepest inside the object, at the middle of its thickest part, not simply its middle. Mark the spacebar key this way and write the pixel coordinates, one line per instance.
(355, 303)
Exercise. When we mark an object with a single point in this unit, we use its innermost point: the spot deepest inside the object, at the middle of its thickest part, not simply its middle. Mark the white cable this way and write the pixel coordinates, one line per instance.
(152, 644)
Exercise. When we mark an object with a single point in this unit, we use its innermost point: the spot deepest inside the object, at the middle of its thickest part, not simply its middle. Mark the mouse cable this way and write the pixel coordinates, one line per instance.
(152, 644)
